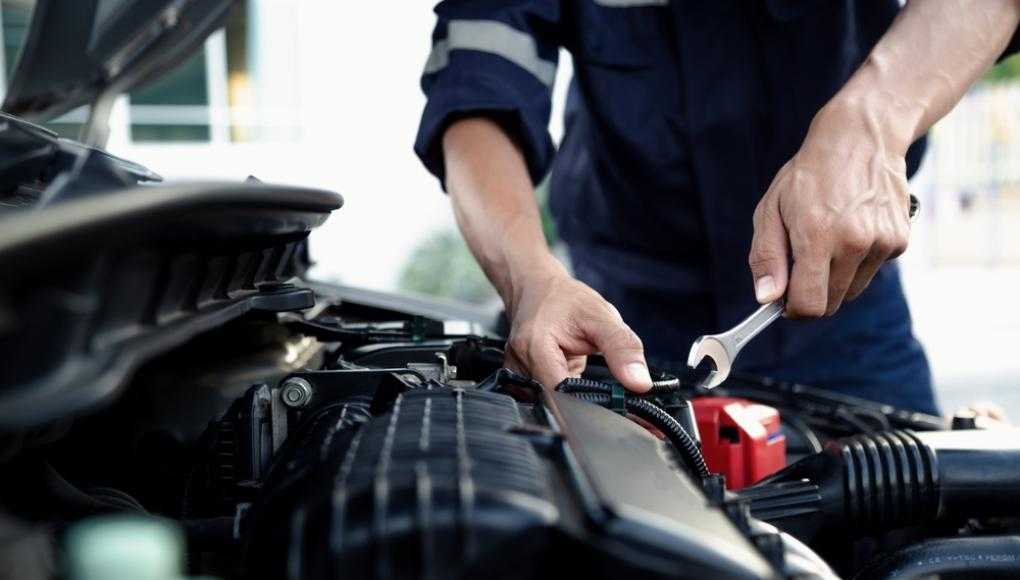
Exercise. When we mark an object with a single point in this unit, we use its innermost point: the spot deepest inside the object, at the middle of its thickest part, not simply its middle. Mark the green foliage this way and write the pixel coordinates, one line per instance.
(1007, 70)
(443, 266)
(548, 225)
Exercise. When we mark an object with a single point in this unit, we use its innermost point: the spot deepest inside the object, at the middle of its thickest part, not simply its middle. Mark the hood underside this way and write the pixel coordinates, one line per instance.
(78, 50)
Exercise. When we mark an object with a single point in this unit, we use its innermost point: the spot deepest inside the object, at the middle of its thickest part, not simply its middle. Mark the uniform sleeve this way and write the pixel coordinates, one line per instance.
(495, 58)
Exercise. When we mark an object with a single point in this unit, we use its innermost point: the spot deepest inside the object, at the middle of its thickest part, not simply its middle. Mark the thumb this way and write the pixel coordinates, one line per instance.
(769, 257)
(623, 352)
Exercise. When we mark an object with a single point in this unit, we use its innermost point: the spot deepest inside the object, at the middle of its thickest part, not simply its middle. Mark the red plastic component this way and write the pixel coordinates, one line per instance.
(740, 439)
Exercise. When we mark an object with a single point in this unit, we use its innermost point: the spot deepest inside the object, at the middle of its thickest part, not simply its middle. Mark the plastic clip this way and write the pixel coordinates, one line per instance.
(618, 399)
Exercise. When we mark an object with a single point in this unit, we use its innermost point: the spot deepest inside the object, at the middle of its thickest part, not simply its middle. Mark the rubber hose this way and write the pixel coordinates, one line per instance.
(972, 557)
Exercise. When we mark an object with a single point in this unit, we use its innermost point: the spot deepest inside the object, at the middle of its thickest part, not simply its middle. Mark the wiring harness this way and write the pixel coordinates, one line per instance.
(614, 396)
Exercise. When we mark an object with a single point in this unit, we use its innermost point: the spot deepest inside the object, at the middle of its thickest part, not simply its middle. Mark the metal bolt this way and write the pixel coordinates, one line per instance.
(295, 392)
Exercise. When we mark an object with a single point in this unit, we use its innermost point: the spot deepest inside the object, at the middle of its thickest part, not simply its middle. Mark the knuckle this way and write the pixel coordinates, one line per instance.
(762, 256)
(815, 226)
(808, 308)
(900, 242)
(852, 293)
(857, 242)
(533, 352)
(762, 214)
(886, 246)
(834, 304)
(611, 310)
(809, 302)
(622, 338)
(518, 344)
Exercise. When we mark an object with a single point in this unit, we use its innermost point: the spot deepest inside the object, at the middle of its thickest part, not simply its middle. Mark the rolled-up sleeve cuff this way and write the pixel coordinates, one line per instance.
(522, 111)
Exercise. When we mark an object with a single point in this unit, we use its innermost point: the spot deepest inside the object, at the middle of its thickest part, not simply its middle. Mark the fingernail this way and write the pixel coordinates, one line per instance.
(638, 373)
(764, 288)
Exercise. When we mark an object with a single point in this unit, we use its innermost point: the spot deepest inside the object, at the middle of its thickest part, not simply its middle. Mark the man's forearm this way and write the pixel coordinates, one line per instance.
(494, 203)
(934, 51)
(555, 321)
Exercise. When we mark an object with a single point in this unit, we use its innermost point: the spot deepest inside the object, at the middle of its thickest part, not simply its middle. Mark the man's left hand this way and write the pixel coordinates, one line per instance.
(833, 215)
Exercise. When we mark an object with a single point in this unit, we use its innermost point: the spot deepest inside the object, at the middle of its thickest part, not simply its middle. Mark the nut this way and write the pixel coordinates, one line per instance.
(296, 392)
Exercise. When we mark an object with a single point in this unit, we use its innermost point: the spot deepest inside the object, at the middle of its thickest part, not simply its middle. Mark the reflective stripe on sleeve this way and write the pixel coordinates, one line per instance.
(495, 38)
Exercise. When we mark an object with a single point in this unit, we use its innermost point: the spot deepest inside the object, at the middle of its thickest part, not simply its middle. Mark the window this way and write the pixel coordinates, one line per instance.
(175, 107)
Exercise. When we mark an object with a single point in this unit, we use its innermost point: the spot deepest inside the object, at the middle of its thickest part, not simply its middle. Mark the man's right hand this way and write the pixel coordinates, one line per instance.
(557, 321)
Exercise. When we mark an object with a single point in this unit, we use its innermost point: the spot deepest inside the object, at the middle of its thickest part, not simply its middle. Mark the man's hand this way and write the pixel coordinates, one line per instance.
(837, 210)
(557, 321)
(840, 207)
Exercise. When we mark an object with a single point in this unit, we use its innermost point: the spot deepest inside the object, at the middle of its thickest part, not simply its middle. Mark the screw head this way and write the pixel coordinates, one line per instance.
(296, 392)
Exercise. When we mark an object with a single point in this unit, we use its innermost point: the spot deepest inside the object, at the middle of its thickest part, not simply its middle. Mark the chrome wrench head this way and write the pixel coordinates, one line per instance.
(722, 349)
(716, 351)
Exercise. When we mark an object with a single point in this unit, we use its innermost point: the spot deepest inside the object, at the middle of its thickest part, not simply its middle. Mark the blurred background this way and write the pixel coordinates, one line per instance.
(311, 92)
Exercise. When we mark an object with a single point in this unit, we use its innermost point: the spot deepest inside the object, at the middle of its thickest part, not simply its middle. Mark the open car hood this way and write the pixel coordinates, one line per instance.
(77, 50)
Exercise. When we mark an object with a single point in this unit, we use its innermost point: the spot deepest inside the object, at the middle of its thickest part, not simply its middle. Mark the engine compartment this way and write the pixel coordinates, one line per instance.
(357, 441)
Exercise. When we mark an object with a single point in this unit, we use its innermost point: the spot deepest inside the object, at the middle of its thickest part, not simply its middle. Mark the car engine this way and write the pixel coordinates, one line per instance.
(179, 398)
(349, 440)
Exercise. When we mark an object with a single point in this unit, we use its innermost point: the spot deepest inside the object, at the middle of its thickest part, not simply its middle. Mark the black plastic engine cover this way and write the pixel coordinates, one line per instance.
(465, 483)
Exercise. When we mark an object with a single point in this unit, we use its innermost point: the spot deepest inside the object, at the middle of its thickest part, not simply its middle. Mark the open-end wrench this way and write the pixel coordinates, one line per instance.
(722, 349)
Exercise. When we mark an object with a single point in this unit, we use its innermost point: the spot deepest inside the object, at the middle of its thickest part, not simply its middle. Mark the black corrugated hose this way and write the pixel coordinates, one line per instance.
(662, 386)
(601, 393)
(981, 557)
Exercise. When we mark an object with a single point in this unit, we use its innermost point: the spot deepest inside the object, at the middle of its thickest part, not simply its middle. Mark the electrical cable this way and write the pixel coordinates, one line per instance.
(809, 435)
(601, 393)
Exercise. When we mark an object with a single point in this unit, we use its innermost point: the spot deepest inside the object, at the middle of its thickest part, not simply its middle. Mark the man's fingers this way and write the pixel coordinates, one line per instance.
(841, 274)
(547, 363)
(622, 350)
(865, 273)
(577, 364)
(512, 362)
(808, 294)
(852, 250)
(538, 357)
(769, 257)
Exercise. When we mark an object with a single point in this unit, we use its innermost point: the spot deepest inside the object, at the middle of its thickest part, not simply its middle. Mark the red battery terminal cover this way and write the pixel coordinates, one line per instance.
(740, 439)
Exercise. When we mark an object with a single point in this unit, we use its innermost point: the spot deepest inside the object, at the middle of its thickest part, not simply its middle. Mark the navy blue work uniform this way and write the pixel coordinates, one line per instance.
(679, 115)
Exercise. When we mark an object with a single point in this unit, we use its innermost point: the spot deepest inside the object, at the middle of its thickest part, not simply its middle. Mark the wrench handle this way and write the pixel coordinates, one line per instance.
(757, 322)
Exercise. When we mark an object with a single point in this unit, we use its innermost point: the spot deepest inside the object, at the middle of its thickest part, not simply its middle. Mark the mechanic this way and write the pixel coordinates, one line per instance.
(679, 117)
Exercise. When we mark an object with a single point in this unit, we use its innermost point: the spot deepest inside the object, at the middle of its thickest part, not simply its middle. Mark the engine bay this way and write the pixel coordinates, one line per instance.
(350, 440)
(179, 399)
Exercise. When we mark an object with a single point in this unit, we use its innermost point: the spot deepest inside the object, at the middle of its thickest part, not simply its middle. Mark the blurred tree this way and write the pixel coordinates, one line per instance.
(548, 225)
(443, 266)
(1005, 71)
